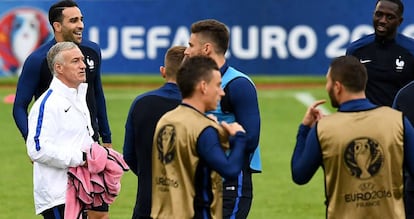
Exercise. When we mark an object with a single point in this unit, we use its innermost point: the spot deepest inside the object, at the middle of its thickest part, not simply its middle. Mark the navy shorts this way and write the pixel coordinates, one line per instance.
(104, 207)
(54, 213)
(58, 212)
(237, 196)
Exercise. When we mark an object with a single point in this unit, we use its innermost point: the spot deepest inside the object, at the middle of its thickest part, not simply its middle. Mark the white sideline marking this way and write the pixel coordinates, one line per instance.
(307, 99)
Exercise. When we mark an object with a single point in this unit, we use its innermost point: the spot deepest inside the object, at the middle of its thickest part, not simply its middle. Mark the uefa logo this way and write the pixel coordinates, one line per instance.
(166, 144)
(363, 158)
(22, 30)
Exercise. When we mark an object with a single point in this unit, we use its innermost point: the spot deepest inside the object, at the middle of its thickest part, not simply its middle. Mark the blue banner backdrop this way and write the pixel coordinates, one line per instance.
(267, 36)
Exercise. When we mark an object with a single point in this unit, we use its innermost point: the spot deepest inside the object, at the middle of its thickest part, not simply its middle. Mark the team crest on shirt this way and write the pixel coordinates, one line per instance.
(399, 64)
(166, 144)
(90, 62)
(363, 158)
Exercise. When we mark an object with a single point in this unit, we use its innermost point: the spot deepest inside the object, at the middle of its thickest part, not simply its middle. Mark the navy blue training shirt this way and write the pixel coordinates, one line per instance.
(389, 63)
(142, 119)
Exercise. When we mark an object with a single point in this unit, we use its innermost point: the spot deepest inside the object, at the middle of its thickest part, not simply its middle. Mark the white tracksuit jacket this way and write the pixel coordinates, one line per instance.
(59, 130)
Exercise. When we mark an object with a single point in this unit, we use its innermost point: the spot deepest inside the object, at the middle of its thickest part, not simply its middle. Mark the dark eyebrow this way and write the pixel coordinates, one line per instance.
(75, 18)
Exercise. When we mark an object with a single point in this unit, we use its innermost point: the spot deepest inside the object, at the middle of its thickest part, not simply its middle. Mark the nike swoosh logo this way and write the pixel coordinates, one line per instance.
(365, 61)
(66, 110)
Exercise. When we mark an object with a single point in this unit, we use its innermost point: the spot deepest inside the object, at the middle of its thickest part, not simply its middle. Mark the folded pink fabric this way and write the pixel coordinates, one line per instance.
(99, 182)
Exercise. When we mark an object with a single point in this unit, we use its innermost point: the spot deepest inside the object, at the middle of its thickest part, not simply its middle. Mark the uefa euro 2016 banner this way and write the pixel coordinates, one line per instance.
(266, 36)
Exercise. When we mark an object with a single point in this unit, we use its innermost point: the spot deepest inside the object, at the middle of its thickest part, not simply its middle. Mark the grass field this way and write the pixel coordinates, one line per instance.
(275, 195)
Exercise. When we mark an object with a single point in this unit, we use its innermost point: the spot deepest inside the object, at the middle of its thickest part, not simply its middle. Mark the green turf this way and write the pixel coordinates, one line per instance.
(260, 79)
(275, 195)
(148, 79)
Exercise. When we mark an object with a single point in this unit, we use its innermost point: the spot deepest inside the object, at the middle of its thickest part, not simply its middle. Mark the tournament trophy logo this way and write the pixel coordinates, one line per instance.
(166, 144)
(22, 30)
(363, 158)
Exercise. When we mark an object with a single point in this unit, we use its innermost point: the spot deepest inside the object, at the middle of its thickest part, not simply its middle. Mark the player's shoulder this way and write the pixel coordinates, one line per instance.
(389, 111)
(234, 75)
(235, 71)
(41, 51)
(89, 44)
(361, 42)
(405, 42)
(155, 95)
(407, 90)
(403, 38)
(409, 86)
(143, 97)
(364, 39)
(36, 58)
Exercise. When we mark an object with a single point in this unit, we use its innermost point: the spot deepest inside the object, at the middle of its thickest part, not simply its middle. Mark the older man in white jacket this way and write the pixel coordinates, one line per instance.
(59, 129)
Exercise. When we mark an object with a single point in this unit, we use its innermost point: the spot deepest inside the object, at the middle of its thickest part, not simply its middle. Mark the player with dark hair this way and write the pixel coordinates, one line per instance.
(188, 148)
(143, 116)
(363, 148)
(388, 57)
(211, 38)
(67, 21)
(387, 54)
(403, 101)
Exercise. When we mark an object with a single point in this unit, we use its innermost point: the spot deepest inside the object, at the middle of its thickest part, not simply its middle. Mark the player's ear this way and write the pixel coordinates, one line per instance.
(338, 87)
(203, 87)
(57, 26)
(163, 71)
(207, 48)
(58, 67)
(400, 21)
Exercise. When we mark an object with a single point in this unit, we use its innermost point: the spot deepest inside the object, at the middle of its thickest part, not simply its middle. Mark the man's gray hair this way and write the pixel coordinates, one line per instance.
(54, 55)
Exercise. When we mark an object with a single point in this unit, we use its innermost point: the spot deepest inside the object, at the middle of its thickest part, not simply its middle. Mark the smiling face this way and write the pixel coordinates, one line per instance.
(386, 19)
(71, 68)
(71, 27)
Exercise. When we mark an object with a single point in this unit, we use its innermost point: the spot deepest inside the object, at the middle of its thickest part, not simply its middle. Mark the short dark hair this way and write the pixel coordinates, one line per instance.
(194, 70)
(349, 71)
(398, 2)
(214, 31)
(55, 11)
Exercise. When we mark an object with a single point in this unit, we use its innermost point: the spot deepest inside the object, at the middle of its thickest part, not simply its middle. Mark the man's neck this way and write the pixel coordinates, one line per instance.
(195, 103)
(352, 96)
(220, 62)
(58, 38)
(219, 59)
(385, 39)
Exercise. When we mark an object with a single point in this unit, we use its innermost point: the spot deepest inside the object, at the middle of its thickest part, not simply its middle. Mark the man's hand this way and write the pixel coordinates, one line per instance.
(232, 128)
(107, 145)
(313, 114)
